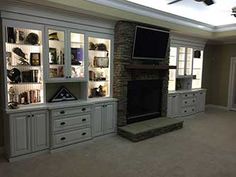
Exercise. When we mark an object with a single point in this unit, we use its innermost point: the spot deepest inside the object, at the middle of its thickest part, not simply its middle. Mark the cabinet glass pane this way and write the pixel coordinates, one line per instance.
(99, 67)
(172, 76)
(77, 55)
(197, 71)
(189, 61)
(173, 56)
(24, 66)
(56, 53)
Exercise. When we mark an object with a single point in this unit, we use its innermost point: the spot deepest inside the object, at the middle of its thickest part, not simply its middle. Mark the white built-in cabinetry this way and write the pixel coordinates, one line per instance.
(70, 51)
(184, 103)
(102, 123)
(27, 132)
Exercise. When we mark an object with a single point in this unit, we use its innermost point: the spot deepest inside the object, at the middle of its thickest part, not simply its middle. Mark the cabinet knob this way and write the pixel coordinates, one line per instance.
(62, 112)
(185, 111)
(28, 116)
(32, 115)
(185, 102)
(69, 76)
(173, 96)
(186, 95)
(104, 106)
(193, 101)
(63, 123)
(63, 138)
(192, 109)
(83, 109)
(83, 134)
(83, 120)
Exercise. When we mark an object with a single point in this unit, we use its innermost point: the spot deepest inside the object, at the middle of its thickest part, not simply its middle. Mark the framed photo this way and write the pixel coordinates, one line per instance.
(53, 56)
(35, 59)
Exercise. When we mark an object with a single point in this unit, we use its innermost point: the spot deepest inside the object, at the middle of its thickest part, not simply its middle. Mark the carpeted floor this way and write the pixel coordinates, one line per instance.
(205, 147)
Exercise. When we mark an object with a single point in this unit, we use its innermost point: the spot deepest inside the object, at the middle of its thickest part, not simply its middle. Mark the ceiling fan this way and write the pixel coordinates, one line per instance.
(207, 2)
(234, 11)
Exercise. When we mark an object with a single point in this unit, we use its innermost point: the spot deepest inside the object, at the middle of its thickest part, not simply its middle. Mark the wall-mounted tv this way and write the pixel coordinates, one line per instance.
(150, 43)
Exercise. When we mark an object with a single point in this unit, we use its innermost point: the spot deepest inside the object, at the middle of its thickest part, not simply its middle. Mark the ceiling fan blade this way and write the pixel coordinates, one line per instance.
(174, 2)
(209, 2)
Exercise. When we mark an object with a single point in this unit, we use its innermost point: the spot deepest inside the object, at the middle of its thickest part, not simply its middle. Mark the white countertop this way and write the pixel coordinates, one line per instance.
(186, 91)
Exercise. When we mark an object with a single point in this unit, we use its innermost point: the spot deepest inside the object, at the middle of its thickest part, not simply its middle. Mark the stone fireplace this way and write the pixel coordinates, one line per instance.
(123, 75)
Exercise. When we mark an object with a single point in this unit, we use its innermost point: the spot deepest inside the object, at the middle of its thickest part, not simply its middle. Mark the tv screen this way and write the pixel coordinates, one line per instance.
(150, 43)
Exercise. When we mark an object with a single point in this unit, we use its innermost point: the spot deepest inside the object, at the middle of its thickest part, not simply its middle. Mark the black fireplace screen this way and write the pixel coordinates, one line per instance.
(144, 100)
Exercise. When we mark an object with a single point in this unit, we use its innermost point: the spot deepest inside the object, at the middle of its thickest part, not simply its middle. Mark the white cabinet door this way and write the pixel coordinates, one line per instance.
(104, 116)
(108, 118)
(201, 101)
(97, 121)
(20, 134)
(40, 130)
(173, 105)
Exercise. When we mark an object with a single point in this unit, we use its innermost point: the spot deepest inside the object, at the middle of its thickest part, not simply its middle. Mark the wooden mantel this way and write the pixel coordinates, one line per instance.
(149, 67)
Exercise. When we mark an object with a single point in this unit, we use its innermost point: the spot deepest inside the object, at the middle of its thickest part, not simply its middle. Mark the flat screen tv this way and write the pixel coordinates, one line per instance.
(150, 43)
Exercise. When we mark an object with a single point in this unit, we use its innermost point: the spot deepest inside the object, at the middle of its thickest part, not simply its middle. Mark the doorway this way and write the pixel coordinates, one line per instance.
(232, 85)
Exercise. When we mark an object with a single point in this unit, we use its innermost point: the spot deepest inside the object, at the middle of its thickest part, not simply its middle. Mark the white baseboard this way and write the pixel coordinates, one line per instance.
(216, 106)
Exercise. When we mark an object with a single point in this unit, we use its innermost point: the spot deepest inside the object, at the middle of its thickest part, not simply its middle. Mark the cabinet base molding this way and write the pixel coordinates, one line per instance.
(216, 106)
(26, 156)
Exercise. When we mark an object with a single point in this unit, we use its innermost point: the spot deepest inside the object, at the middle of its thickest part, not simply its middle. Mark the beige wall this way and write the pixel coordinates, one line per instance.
(216, 70)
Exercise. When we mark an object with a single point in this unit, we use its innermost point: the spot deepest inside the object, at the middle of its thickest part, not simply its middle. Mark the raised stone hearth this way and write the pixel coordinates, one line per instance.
(149, 128)
(123, 47)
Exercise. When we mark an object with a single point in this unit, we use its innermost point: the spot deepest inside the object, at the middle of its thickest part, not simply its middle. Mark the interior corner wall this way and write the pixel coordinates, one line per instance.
(216, 69)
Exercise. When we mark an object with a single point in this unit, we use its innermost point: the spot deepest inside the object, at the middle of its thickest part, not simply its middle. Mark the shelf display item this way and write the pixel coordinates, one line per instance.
(32, 39)
(14, 75)
(63, 94)
(101, 62)
(35, 59)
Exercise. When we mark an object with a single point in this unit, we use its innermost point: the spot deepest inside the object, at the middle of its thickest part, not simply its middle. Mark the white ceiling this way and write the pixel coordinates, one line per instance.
(217, 14)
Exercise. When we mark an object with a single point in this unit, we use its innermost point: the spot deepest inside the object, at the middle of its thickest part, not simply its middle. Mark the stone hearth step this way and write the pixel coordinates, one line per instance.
(149, 128)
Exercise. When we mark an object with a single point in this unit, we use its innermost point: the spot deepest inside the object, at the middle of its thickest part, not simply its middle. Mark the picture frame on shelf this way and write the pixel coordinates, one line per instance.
(53, 56)
(35, 59)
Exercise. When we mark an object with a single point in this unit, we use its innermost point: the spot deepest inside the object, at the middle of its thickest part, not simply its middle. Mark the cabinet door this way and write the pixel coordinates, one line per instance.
(173, 106)
(108, 118)
(20, 134)
(97, 121)
(40, 130)
(56, 52)
(201, 101)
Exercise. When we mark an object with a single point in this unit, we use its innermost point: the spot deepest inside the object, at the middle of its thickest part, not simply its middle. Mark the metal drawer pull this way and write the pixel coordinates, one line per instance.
(63, 138)
(173, 96)
(83, 120)
(62, 112)
(83, 109)
(63, 123)
(84, 133)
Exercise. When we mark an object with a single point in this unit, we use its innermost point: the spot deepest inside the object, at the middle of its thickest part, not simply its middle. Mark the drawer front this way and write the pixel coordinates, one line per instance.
(189, 102)
(72, 122)
(71, 137)
(189, 95)
(69, 111)
(188, 110)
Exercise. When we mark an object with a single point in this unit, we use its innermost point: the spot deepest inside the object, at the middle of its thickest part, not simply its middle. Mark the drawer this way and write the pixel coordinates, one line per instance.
(188, 111)
(71, 122)
(189, 95)
(71, 137)
(69, 111)
(189, 102)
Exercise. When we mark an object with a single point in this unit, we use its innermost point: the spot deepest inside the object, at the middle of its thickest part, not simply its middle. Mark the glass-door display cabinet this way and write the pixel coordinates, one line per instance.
(65, 55)
(99, 55)
(23, 64)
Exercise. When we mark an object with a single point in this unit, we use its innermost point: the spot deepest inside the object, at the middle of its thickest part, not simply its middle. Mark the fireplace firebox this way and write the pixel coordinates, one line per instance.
(143, 100)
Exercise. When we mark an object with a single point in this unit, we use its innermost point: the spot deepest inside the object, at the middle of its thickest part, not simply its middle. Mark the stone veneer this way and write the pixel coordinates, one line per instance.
(123, 47)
